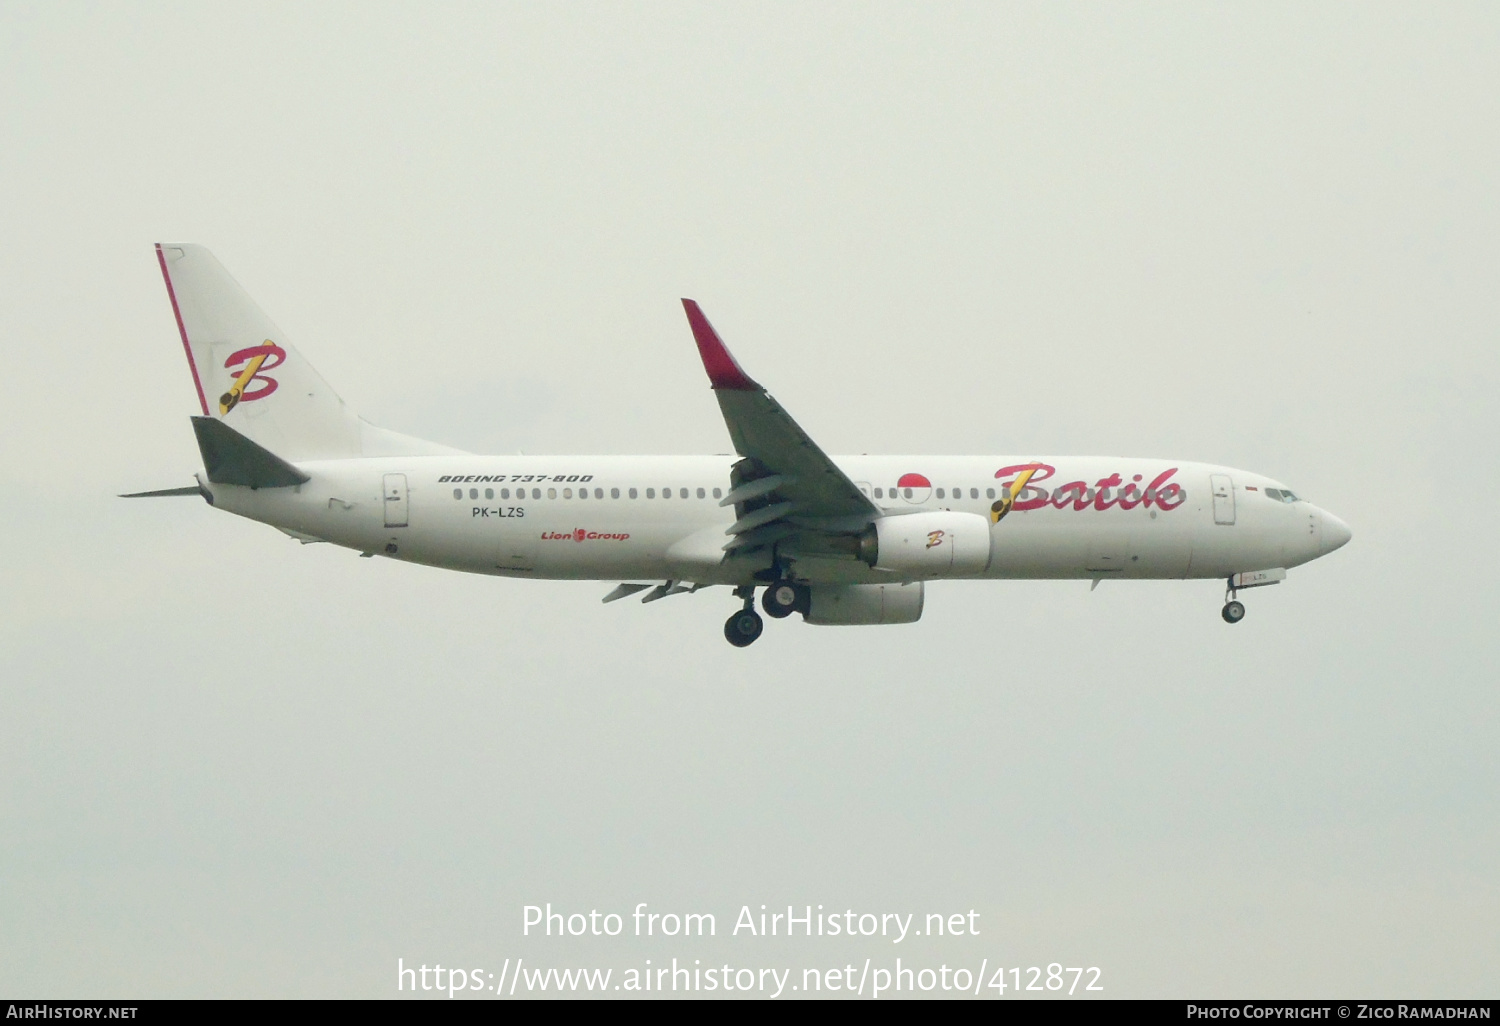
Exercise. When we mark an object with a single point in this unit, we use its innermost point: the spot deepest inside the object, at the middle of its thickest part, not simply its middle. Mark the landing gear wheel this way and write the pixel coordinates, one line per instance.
(1234, 612)
(743, 628)
(780, 599)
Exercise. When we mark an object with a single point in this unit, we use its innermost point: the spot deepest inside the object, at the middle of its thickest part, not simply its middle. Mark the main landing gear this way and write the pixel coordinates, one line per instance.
(781, 599)
(745, 626)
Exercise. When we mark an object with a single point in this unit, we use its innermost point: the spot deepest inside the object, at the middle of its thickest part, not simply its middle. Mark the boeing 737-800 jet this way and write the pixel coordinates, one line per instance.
(841, 540)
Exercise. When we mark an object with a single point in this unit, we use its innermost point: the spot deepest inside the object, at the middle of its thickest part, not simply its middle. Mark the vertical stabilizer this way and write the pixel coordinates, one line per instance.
(249, 376)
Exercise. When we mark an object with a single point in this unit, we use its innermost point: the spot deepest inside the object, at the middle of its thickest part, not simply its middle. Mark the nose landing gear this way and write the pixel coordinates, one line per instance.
(1234, 610)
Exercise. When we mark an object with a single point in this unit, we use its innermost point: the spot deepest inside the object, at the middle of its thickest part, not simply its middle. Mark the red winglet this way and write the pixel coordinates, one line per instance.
(723, 372)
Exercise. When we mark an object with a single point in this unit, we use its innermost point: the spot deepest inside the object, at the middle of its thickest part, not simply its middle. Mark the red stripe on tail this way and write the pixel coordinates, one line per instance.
(161, 258)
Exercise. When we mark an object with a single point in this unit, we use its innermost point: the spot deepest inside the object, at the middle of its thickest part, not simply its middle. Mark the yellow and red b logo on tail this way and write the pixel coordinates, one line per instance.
(255, 359)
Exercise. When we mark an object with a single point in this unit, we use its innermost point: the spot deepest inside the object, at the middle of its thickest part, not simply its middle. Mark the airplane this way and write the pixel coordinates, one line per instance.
(843, 540)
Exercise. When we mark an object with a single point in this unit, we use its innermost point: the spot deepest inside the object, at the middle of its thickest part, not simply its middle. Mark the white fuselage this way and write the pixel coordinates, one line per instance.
(658, 517)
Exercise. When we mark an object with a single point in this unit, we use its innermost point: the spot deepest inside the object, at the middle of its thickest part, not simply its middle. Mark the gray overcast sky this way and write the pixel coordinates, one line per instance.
(1255, 234)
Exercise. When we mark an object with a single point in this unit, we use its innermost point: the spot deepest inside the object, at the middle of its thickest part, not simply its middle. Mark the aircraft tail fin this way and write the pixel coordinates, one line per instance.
(250, 378)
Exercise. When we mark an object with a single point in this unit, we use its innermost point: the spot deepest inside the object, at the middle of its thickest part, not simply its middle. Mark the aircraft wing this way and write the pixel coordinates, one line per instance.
(785, 482)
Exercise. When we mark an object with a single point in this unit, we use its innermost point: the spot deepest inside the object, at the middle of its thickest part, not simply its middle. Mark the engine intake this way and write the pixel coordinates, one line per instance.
(937, 544)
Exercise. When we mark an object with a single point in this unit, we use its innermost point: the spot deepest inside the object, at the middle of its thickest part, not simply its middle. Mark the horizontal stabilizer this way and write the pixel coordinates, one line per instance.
(231, 458)
(162, 493)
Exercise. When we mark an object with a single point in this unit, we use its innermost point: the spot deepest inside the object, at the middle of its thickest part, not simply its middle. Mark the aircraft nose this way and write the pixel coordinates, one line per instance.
(1336, 533)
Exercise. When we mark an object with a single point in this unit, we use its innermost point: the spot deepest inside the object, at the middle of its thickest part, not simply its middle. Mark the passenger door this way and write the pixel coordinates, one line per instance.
(396, 514)
(1223, 498)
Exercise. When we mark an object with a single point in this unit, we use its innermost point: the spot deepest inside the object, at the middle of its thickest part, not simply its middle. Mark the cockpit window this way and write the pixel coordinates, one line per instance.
(1274, 493)
(1282, 495)
(1287, 496)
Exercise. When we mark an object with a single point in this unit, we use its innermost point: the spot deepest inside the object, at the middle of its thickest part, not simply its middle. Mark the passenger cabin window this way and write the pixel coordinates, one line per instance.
(567, 493)
(650, 493)
(939, 493)
(551, 493)
(880, 493)
(536, 493)
(473, 493)
(599, 493)
(682, 493)
(458, 493)
(489, 493)
(989, 493)
(702, 494)
(906, 493)
(633, 493)
(505, 493)
(718, 493)
(614, 493)
(973, 493)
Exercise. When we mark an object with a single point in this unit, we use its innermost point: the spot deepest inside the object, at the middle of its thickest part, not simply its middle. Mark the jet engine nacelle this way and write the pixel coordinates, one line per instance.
(834, 604)
(937, 544)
